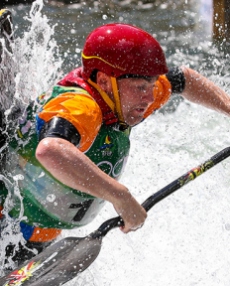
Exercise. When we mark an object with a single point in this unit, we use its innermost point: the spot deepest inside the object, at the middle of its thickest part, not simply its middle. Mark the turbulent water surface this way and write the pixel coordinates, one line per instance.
(185, 240)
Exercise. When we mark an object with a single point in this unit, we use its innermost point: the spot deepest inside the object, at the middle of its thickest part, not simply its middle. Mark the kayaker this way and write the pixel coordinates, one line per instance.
(72, 144)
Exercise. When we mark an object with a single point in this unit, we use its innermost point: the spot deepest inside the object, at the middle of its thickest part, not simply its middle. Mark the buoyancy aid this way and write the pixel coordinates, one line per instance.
(48, 203)
(34, 182)
(161, 94)
(74, 78)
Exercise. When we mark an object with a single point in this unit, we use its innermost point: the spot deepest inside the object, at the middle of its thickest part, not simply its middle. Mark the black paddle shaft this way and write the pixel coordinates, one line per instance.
(166, 191)
(65, 259)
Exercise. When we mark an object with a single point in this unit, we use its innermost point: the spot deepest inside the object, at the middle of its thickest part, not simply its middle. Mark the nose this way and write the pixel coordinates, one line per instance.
(147, 96)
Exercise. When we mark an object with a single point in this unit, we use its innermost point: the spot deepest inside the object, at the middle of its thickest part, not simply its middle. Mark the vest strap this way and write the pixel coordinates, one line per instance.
(74, 78)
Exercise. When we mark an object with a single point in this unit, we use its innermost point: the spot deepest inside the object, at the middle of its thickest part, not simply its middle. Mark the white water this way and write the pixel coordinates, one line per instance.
(185, 240)
(33, 61)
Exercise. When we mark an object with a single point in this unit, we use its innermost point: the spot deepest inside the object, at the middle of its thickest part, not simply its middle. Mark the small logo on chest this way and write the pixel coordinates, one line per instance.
(106, 146)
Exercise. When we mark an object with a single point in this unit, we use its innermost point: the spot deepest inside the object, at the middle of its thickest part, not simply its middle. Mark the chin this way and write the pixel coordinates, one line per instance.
(134, 121)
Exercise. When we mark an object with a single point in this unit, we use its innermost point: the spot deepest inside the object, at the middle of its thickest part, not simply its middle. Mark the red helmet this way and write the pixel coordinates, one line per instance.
(119, 49)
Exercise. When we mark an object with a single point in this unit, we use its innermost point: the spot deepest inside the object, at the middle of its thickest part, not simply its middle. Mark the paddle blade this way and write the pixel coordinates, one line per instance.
(57, 264)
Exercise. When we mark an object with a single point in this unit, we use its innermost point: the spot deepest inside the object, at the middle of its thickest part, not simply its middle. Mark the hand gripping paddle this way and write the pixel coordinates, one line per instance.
(65, 259)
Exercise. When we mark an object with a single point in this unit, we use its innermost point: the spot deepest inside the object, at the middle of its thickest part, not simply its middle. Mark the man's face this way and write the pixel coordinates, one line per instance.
(136, 94)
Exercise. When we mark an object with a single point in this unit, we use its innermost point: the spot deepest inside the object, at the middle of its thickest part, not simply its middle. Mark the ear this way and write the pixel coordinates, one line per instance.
(103, 80)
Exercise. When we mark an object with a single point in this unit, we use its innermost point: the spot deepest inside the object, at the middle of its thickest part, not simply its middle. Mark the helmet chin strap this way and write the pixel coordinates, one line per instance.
(116, 105)
(117, 100)
(103, 94)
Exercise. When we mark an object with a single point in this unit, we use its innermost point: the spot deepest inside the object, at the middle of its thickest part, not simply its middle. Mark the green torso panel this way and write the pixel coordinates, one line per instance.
(47, 202)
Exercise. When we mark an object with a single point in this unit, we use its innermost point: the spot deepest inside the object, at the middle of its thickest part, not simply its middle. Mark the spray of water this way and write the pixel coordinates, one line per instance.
(10, 230)
(30, 69)
(185, 240)
(37, 57)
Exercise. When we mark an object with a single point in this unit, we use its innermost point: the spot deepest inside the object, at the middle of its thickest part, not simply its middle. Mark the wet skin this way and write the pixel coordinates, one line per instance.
(136, 94)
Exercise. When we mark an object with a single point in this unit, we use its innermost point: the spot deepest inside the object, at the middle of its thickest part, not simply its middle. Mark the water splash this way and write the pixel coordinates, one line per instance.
(10, 230)
(185, 240)
(37, 56)
(6, 68)
(31, 69)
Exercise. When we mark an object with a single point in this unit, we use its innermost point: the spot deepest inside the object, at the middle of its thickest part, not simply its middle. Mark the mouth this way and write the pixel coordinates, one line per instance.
(136, 114)
(141, 109)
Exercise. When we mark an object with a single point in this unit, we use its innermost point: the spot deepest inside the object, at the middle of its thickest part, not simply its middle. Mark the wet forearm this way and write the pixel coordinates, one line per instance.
(200, 90)
(71, 167)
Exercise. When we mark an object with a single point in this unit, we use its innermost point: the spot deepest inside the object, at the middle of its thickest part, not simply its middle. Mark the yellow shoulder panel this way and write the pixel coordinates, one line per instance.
(161, 94)
(79, 109)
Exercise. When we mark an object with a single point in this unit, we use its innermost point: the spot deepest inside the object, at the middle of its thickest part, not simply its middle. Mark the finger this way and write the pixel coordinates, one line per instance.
(124, 229)
(137, 227)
